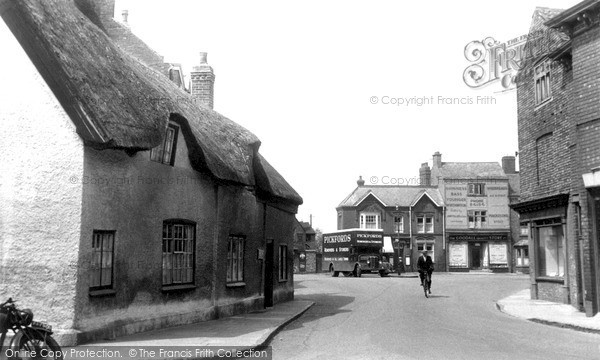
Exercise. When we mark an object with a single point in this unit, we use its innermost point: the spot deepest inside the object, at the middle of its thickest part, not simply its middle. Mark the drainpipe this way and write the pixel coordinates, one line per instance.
(566, 286)
(446, 256)
(411, 235)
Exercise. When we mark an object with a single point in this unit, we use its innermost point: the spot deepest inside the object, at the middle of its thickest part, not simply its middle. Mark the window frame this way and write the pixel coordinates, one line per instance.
(424, 245)
(398, 225)
(170, 244)
(542, 85)
(157, 154)
(363, 220)
(541, 264)
(476, 189)
(424, 218)
(283, 262)
(477, 214)
(111, 236)
(235, 258)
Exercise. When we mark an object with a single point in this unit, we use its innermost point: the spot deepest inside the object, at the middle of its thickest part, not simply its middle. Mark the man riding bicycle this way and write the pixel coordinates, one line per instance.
(425, 267)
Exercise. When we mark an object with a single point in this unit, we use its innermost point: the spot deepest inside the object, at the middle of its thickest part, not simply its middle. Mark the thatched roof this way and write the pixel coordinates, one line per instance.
(270, 181)
(114, 100)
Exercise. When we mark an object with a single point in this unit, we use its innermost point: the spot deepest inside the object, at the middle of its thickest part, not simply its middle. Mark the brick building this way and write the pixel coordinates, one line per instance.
(559, 146)
(307, 257)
(411, 217)
(127, 207)
(477, 216)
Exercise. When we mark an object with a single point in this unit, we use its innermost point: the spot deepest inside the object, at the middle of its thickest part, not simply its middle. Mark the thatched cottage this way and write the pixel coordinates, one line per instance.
(126, 206)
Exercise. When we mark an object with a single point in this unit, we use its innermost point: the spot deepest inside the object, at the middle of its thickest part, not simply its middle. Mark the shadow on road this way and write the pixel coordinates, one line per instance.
(325, 305)
(438, 296)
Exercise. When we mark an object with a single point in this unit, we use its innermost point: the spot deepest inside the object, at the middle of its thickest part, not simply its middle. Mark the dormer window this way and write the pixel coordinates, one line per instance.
(165, 152)
(542, 83)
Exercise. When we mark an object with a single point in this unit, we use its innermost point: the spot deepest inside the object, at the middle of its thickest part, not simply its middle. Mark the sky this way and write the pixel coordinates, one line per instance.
(341, 89)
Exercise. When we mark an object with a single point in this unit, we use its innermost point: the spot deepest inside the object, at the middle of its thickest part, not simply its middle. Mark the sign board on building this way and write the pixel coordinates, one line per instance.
(494, 201)
(458, 255)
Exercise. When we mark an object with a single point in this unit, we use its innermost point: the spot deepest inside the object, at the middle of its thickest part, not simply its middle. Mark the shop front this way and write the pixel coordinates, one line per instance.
(482, 251)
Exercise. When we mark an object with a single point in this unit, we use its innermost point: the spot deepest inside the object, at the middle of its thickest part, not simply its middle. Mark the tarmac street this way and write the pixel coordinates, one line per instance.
(390, 318)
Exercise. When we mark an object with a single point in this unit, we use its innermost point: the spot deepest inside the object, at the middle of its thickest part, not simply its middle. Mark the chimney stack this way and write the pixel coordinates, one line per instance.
(125, 14)
(425, 175)
(509, 165)
(437, 160)
(203, 83)
(360, 181)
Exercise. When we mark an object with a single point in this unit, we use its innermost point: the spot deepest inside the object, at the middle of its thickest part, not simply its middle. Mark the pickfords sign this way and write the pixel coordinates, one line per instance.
(353, 238)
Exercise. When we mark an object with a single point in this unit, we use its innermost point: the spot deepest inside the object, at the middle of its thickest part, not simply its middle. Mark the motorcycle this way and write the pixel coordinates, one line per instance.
(32, 339)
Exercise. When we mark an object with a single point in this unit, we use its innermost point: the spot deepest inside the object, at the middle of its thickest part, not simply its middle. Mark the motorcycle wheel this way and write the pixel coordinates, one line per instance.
(37, 341)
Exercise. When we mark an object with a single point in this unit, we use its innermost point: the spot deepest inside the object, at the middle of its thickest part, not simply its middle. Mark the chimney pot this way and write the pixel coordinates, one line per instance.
(360, 181)
(203, 56)
(125, 14)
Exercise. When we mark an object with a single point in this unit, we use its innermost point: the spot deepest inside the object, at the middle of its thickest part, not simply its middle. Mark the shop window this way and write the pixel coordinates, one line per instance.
(542, 83)
(550, 255)
(398, 224)
(426, 245)
(178, 244)
(522, 256)
(283, 272)
(476, 189)
(235, 259)
(477, 219)
(370, 221)
(165, 152)
(424, 224)
(101, 270)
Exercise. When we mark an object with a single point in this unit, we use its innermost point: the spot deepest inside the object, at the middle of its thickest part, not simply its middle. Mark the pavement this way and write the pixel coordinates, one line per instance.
(251, 331)
(520, 305)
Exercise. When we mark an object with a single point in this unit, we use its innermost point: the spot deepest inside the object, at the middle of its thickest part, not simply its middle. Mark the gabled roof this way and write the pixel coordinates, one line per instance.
(541, 40)
(426, 194)
(471, 170)
(114, 100)
(393, 195)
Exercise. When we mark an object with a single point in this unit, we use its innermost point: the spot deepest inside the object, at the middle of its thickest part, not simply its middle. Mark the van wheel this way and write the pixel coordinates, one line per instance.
(356, 272)
(335, 274)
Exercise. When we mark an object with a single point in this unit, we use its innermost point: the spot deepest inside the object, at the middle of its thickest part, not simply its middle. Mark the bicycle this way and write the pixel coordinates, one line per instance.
(31, 338)
(427, 284)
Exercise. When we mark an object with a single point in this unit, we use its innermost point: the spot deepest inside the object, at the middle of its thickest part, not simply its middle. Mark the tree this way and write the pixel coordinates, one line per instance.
(319, 240)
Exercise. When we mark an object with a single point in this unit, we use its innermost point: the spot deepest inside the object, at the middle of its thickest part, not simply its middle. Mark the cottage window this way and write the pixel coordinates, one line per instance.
(424, 224)
(235, 259)
(477, 219)
(542, 83)
(165, 152)
(101, 271)
(550, 255)
(283, 266)
(178, 244)
(398, 224)
(476, 189)
(370, 221)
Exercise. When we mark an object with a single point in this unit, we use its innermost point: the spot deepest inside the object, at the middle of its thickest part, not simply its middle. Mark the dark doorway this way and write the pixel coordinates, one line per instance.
(269, 274)
(475, 258)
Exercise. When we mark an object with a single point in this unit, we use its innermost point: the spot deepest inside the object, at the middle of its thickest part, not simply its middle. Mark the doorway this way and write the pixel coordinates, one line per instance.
(475, 257)
(269, 274)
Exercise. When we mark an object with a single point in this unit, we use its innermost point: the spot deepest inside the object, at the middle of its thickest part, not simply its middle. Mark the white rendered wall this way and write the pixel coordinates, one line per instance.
(40, 191)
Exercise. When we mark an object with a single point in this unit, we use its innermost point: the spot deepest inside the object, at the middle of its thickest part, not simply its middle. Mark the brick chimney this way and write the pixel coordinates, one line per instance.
(425, 174)
(509, 165)
(437, 160)
(203, 83)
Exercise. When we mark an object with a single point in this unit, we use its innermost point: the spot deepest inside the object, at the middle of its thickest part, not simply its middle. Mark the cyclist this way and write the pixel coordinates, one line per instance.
(425, 267)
